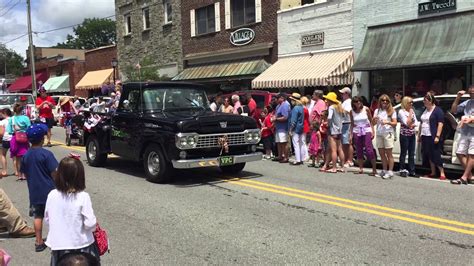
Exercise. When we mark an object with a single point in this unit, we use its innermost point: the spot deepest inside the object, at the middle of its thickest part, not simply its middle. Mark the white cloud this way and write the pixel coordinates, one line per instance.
(46, 15)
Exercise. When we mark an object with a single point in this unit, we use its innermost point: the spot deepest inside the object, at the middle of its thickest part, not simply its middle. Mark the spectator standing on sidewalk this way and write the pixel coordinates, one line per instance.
(18, 123)
(296, 130)
(335, 116)
(346, 127)
(408, 121)
(11, 219)
(45, 105)
(6, 138)
(236, 103)
(362, 134)
(280, 119)
(39, 166)
(465, 151)
(385, 118)
(432, 122)
(226, 107)
(267, 129)
(317, 106)
(252, 106)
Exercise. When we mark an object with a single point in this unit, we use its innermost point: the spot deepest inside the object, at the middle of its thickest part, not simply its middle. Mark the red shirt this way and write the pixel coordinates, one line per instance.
(269, 126)
(306, 121)
(45, 111)
(252, 106)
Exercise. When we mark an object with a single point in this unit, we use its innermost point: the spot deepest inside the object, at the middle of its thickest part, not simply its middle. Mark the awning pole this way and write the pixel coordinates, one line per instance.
(32, 53)
(404, 81)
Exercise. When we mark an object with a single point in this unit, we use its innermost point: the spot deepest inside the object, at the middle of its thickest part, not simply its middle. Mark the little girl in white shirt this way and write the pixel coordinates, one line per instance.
(69, 213)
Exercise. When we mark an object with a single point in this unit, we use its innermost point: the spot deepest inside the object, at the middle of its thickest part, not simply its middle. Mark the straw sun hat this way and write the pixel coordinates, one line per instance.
(64, 100)
(332, 97)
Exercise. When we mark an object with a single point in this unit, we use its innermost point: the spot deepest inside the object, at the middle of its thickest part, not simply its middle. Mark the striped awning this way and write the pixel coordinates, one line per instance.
(249, 68)
(309, 70)
(95, 79)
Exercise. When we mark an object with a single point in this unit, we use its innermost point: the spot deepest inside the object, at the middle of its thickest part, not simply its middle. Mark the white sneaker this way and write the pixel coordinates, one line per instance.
(380, 174)
(388, 175)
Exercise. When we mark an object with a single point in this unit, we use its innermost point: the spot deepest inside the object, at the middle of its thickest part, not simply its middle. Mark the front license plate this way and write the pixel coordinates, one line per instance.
(226, 160)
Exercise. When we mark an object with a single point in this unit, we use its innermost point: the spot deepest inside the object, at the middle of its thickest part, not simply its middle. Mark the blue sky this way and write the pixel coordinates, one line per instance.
(46, 15)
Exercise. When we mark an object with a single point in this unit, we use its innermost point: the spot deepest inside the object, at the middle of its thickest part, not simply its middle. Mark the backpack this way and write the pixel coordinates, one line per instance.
(101, 239)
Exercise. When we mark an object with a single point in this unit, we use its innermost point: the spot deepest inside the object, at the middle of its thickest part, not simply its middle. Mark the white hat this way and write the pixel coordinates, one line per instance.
(345, 90)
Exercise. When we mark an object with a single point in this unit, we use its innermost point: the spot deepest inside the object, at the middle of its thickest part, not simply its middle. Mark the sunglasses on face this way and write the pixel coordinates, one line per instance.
(385, 101)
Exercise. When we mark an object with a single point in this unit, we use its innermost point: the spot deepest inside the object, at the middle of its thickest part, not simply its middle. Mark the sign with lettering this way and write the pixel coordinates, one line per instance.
(242, 36)
(312, 39)
(436, 6)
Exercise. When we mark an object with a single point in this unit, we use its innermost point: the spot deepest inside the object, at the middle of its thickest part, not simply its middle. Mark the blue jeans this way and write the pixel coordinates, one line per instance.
(407, 145)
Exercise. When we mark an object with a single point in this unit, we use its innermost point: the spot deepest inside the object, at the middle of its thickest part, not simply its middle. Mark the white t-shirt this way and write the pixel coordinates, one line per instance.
(6, 135)
(71, 220)
(347, 106)
(383, 129)
(425, 123)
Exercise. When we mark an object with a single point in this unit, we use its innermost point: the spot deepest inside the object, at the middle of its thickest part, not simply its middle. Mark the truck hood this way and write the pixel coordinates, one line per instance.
(208, 122)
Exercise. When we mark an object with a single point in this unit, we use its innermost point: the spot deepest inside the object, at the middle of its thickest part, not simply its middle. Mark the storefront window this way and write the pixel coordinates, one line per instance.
(386, 82)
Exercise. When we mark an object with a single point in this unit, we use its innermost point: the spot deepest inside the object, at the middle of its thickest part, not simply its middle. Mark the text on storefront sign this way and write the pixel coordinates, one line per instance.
(436, 6)
(312, 39)
(242, 36)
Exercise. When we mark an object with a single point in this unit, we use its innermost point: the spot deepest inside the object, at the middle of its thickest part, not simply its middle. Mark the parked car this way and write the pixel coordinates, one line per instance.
(9, 99)
(169, 125)
(262, 98)
(449, 134)
(92, 103)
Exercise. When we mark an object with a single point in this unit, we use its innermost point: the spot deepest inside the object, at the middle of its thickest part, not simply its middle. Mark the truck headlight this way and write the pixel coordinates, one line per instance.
(186, 140)
(252, 136)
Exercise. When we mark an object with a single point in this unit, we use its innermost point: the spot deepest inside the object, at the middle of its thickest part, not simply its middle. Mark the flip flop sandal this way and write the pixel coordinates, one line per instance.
(459, 181)
(331, 171)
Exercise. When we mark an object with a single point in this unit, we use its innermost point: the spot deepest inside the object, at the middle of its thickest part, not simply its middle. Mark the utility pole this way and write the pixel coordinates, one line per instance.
(32, 53)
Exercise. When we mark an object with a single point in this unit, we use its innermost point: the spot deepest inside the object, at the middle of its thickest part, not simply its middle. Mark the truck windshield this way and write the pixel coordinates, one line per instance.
(11, 99)
(174, 98)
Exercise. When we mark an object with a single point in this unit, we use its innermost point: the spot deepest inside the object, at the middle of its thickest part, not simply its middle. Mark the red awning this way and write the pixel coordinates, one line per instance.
(23, 84)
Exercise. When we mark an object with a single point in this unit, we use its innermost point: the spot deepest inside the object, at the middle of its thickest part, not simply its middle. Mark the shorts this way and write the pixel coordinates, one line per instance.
(466, 145)
(37, 210)
(385, 141)
(6, 145)
(281, 137)
(50, 122)
(267, 142)
(346, 133)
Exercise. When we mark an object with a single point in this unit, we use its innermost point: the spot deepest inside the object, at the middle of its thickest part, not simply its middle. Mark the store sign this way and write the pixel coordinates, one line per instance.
(242, 36)
(436, 6)
(312, 39)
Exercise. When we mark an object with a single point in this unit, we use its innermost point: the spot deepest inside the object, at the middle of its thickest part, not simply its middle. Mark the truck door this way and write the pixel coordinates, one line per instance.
(126, 125)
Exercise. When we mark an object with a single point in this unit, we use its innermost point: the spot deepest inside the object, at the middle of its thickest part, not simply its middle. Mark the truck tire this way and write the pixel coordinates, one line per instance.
(233, 169)
(156, 168)
(94, 156)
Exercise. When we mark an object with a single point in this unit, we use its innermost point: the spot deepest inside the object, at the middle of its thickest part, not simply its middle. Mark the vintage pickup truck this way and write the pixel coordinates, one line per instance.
(169, 125)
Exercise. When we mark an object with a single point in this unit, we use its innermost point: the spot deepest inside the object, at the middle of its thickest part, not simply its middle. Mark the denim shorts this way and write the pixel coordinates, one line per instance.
(6, 145)
(346, 133)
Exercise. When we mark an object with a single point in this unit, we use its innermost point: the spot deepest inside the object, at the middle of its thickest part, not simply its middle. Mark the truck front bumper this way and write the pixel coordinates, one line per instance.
(208, 162)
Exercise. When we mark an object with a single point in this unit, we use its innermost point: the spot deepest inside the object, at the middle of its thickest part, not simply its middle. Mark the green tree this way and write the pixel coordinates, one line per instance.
(14, 61)
(92, 33)
(148, 71)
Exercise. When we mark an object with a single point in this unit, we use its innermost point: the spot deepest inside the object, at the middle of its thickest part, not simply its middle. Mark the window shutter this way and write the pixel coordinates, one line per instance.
(217, 11)
(227, 15)
(258, 10)
(193, 23)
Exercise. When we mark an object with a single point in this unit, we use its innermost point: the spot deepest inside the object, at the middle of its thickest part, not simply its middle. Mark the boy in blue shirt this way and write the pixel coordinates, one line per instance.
(38, 165)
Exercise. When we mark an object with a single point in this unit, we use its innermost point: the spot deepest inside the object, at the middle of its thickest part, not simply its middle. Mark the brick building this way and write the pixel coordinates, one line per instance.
(314, 47)
(149, 31)
(227, 43)
(413, 46)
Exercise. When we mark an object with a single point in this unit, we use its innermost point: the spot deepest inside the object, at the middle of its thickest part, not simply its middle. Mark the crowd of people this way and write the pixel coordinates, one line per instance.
(325, 130)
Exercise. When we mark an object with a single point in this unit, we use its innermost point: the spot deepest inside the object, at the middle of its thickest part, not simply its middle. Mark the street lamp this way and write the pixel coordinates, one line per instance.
(114, 65)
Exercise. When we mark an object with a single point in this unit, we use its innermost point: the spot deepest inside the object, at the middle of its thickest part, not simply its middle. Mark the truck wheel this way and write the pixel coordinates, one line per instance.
(156, 168)
(233, 169)
(94, 156)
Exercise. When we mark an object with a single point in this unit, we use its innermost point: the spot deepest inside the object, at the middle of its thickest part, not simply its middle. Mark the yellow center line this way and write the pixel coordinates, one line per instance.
(417, 215)
(81, 149)
(360, 209)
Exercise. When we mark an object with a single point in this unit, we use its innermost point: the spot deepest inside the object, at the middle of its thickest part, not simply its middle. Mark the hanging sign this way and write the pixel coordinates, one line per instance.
(312, 39)
(242, 36)
(436, 6)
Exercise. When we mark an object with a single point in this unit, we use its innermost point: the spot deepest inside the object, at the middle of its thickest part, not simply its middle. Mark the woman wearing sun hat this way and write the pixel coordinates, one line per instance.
(335, 115)
(297, 129)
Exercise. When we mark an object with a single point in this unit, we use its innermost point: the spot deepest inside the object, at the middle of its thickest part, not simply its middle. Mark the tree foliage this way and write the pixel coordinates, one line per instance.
(92, 33)
(145, 70)
(13, 59)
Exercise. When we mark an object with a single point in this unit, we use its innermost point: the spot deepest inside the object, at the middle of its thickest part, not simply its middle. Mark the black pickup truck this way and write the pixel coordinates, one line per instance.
(169, 125)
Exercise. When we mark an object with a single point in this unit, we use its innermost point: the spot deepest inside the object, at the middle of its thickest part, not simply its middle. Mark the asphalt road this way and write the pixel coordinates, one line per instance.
(270, 214)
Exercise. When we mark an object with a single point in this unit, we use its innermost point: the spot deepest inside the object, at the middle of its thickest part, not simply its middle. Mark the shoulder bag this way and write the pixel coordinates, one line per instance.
(20, 137)
(101, 239)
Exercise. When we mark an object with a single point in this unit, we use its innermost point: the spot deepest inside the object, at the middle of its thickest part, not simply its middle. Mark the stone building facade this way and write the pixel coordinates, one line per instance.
(149, 29)
(210, 55)
(373, 16)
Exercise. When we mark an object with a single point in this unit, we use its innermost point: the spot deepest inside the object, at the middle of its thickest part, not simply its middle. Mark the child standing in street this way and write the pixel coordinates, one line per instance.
(315, 144)
(69, 213)
(267, 132)
(39, 165)
(6, 138)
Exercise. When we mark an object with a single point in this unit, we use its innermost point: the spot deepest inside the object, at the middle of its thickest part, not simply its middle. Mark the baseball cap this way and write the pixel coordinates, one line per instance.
(345, 90)
(41, 89)
(281, 94)
(23, 98)
(36, 132)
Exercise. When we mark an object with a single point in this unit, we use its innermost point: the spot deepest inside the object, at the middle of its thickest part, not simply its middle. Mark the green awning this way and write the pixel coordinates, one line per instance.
(249, 68)
(57, 84)
(433, 41)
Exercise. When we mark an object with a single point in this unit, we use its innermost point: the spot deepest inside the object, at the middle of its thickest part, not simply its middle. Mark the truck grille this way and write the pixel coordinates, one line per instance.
(211, 141)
